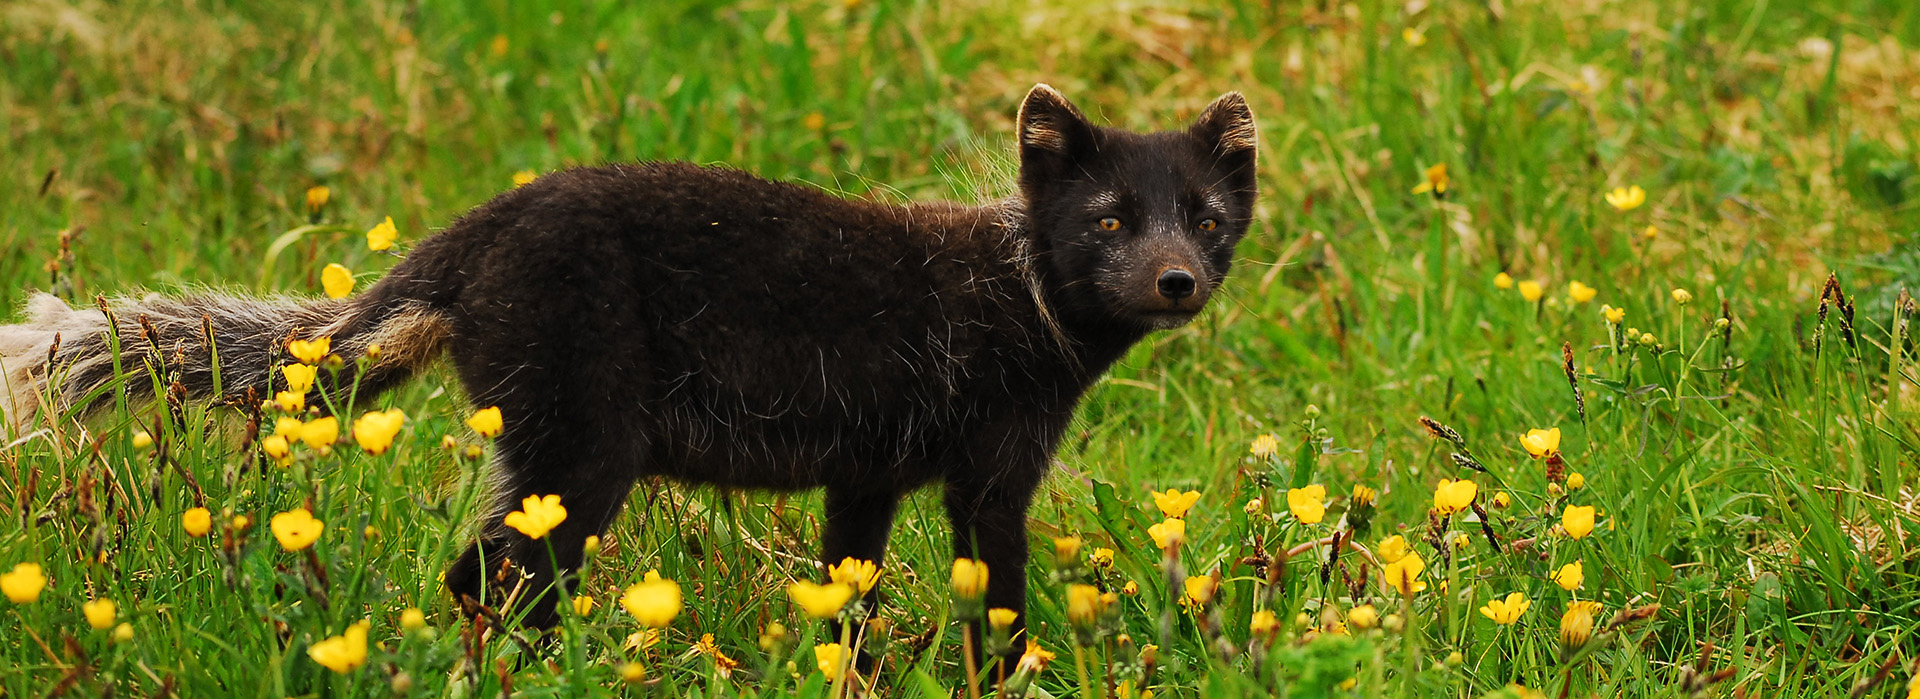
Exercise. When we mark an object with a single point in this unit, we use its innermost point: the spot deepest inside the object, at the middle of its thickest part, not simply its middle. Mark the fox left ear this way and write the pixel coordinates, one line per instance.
(1228, 125)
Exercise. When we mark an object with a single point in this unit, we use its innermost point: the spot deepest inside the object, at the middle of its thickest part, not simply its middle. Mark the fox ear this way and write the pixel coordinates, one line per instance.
(1228, 126)
(1050, 126)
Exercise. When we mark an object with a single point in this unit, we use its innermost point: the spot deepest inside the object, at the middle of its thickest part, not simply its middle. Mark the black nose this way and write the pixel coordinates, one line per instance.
(1176, 284)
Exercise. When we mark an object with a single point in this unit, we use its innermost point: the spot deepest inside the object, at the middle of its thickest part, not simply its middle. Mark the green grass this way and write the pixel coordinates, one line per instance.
(1757, 485)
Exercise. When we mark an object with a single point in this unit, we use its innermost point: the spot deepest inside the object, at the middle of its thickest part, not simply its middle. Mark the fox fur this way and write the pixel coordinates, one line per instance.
(708, 326)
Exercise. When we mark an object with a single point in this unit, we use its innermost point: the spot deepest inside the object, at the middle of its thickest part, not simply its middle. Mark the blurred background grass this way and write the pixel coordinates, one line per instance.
(1769, 504)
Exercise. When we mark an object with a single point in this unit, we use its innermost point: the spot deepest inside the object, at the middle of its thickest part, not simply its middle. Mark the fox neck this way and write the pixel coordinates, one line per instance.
(1091, 337)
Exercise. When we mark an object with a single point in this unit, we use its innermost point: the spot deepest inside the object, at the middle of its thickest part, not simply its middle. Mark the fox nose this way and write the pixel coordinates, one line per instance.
(1176, 284)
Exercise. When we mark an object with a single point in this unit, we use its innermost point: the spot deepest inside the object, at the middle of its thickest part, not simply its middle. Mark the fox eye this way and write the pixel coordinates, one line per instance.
(1207, 224)
(1109, 224)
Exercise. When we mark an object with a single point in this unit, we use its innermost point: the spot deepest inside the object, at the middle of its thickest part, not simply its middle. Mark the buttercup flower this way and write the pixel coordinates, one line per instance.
(820, 601)
(1168, 533)
(1502, 499)
(969, 578)
(485, 422)
(343, 653)
(1575, 481)
(23, 584)
(1531, 290)
(1263, 623)
(524, 178)
(299, 377)
(1576, 625)
(858, 573)
(1503, 281)
(336, 280)
(1508, 611)
(1627, 198)
(1003, 618)
(1580, 293)
(411, 619)
(1577, 520)
(582, 605)
(1066, 550)
(100, 613)
(1264, 447)
(289, 401)
(375, 430)
(196, 521)
(1613, 315)
(1682, 296)
(320, 434)
(1435, 180)
(1415, 38)
(1199, 590)
(1101, 558)
(381, 236)
(1174, 503)
(654, 601)
(317, 197)
(1569, 576)
(829, 658)
(1363, 617)
(296, 529)
(310, 351)
(537, 515)
(1404, 574)
(1454, 496)
(142, 440)
(1308, 504)
(123, 632)
(1084, 605)
(1391, 549)
(1541, 443)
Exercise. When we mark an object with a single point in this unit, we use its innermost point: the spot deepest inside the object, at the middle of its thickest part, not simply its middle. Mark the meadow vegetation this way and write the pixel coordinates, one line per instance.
(1570, 353)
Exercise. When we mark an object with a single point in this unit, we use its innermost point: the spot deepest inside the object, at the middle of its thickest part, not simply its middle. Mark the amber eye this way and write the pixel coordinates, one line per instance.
(1109, 224)
(1207, 224)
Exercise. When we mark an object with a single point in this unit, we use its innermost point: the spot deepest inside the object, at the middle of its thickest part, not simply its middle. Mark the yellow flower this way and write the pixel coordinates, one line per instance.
(1363, 617)
(1035, 659)
(1263, 622)
(830, 658)
(1101, 558)
(582, 605)
(860, 574)
(1454, 496)
(1264, 447)
(1576, 625)
(1460, 540)
(1084, 605)
(299, 377)
(24, 583)
(320, 434)
(1199, 589)
(1627, 198)
(381, 237)
(1575, 481)
(1414, 37)
(1531, 290)
(296, 529)
(1613, 315)
(1392, 549)
(1577, 520)
(633, 673)
(123, 632)
(1363, 496)
(1541, 443)
(1650, 233)
(1503, 281)
(969, 578)
(1404, 574)
(375, 430)
(590, 546)
(1569, 576)
(1648, 339)
(1682, 296)
(100, 613)
(1435, 181)
(317, 197)
(1508, 611)
(337, 280)
(1308, 504)
(1003, 618)
(820, 601)
(240, 522)
(1168, 533)
(142, 440)
(1174, 503)
(654, 601)
(290, 402)
(342, 653)
(1066, 550)
(196, 521)
(1502, 500)
(277, 448)
(485, 422)
(411, 619)
(1580, 293)
(537, 515)
(524, 178)
(814, 121)
(310, 351)
(1130, 589)
(1254, 506)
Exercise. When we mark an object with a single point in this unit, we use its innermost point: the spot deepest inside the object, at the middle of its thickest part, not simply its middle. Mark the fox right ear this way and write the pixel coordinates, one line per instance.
(1050, 125)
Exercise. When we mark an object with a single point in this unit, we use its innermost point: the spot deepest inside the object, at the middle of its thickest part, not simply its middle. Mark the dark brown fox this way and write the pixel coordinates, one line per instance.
(709, 326)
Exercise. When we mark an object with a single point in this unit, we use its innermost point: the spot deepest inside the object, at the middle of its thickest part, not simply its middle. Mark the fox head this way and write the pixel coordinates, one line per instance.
(1135, 230)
